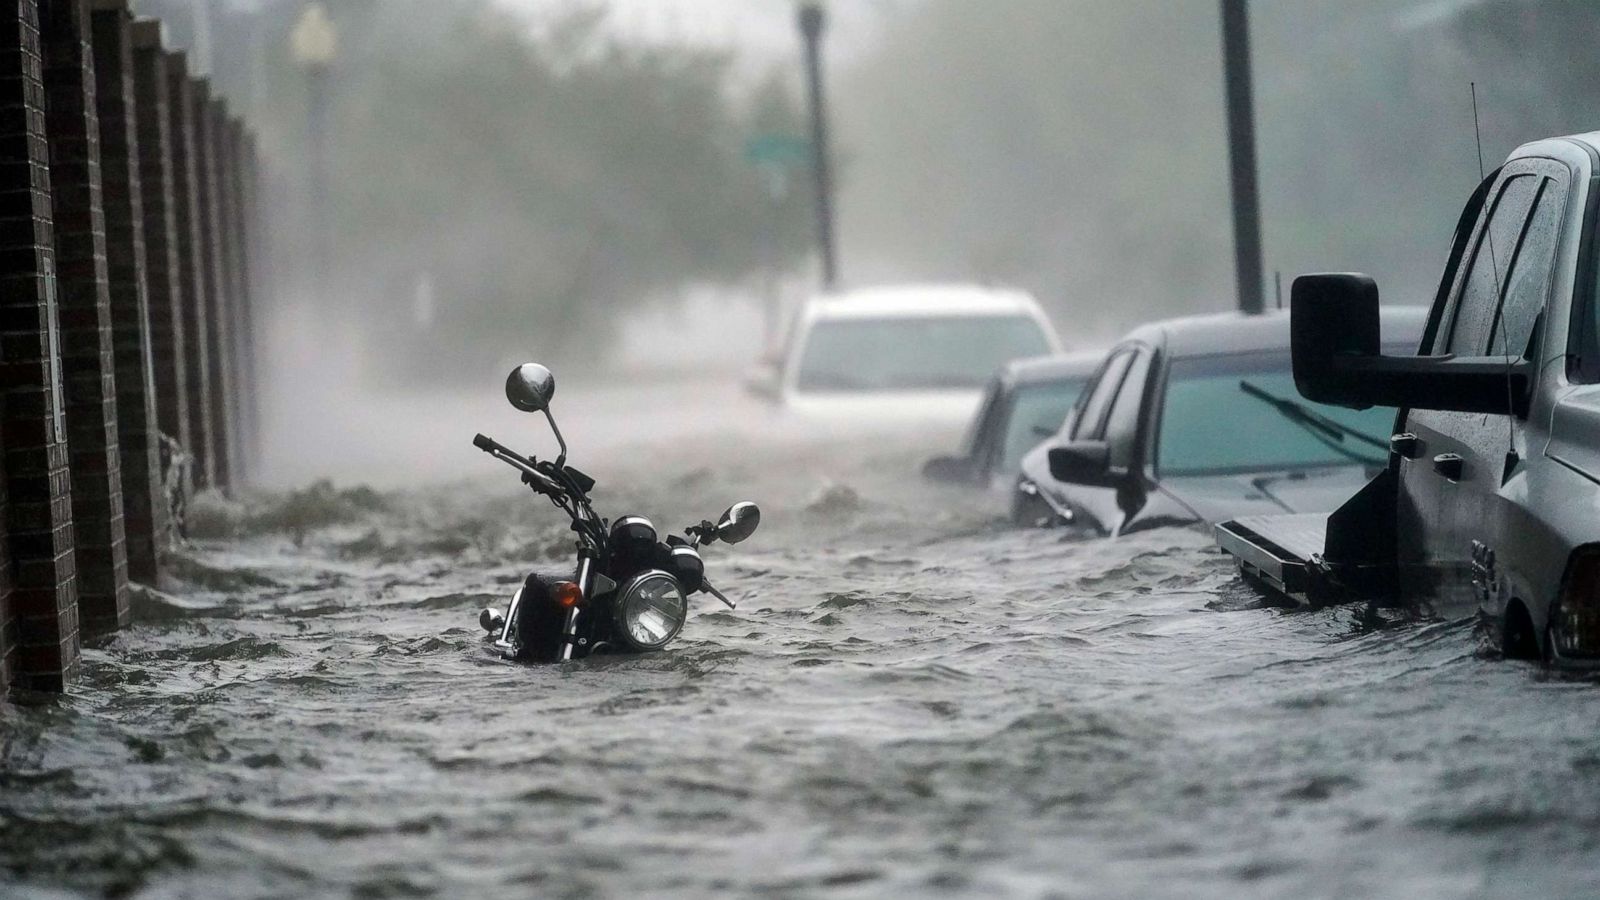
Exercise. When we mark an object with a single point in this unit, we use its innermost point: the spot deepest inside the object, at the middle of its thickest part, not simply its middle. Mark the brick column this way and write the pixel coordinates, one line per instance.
(43, 603)
(88, 369)
(163, 270)
(244, 343)
(186, 206)
(257, 256)
(233, 284)
(208, 187)
(143, 506)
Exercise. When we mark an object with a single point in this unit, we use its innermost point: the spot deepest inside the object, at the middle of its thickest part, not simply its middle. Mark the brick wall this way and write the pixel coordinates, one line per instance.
(186, 206)
(87, 363)
(42, 613)
(143, 511)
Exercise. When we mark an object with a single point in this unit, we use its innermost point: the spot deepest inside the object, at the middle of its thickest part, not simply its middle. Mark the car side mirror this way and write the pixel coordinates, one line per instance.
(530, 387)
(1083, 462)
(739, 522)
(949, 469)
(1336, 344)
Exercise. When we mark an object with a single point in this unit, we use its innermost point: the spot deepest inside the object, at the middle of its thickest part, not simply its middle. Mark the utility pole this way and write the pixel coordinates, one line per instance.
(812, 22)
(1242, 154)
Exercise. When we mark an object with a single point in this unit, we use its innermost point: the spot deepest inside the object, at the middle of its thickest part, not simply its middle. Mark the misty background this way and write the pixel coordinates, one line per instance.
(572, 180)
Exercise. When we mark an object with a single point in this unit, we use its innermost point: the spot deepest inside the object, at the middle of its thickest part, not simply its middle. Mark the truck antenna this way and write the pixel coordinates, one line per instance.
(1495, 324)
(1477, 132)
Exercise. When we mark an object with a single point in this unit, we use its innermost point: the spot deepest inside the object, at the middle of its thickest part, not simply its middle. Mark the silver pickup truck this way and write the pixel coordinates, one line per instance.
(1491, 497)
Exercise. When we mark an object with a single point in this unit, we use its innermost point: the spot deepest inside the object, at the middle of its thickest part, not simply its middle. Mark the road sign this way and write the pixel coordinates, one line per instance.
(777, 150)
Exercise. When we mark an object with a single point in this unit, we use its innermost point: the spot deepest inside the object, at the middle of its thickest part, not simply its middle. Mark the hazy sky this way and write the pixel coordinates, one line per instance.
(762, 28)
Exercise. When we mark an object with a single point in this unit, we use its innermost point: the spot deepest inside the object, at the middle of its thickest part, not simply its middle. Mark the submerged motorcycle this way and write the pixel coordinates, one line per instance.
(630, 590)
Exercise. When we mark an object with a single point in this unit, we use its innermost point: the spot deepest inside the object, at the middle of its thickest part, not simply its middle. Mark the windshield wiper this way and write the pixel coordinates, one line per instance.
(1328, 430)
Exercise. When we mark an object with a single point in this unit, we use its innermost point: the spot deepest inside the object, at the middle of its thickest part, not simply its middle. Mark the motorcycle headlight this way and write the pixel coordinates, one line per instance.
(650, 610)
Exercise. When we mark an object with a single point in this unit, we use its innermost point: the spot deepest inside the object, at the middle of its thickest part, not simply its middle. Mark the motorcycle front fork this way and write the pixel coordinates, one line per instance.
(571, 620)
(569, 631)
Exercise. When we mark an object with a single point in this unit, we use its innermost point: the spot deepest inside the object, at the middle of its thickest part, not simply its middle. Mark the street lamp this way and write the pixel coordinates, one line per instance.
(314, 42)
(314, 45)
(812, 21)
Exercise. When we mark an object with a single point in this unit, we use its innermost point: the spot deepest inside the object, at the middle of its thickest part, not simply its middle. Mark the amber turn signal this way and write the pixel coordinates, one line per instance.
(567, 593)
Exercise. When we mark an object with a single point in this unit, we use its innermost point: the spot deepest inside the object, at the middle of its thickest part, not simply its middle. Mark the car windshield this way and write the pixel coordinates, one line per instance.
(1211, 425)
(914, 353)
(1036, 412)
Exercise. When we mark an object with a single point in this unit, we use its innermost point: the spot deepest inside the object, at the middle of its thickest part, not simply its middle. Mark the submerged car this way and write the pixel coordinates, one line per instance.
(1025, 403)
(1196, 420)
(907, 355)
(1489, 501)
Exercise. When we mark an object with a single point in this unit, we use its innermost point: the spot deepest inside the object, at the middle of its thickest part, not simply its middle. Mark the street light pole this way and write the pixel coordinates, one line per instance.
(1242, 154)
(812, 21)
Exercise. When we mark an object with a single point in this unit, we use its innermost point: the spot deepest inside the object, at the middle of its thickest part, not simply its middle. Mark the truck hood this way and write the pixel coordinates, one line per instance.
(1217, 498)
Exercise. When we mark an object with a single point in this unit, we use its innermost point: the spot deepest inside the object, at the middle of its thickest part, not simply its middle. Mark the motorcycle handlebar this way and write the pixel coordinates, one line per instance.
(531, 476)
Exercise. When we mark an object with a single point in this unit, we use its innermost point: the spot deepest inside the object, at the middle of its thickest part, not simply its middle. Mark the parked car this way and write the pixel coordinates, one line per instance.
(1195, 420)
(1488, 500)
(1024, 404)
(915, 354)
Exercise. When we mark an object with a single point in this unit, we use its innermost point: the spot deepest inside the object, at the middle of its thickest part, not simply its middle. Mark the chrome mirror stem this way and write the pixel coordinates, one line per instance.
(561, 441)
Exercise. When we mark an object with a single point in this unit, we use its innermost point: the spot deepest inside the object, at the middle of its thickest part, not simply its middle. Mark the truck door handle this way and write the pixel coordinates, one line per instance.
(1449, 465)
(1406, 444)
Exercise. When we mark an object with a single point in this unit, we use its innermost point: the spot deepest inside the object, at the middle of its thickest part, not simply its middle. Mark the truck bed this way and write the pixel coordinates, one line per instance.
(1274, 551)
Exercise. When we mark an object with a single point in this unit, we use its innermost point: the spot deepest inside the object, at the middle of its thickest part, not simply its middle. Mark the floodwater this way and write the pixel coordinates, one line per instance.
(910, 700)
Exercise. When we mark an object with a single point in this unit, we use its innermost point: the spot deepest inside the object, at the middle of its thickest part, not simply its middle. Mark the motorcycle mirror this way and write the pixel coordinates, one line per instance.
(530, 387)
(739, 522)
(492, 620)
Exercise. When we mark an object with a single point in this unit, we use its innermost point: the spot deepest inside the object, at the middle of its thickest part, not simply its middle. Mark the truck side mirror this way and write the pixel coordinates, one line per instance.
(1083, 462)
(1335, 340)
(1332, 317)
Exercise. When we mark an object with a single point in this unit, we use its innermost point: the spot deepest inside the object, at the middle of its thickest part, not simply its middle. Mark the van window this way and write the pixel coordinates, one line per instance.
(914, 353)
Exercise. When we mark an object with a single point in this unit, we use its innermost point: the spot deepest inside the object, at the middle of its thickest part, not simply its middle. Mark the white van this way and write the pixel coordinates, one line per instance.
(903, 355)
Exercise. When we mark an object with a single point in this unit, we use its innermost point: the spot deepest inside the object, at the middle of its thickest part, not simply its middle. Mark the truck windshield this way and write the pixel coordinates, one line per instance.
(1209, 426)
(896, 354)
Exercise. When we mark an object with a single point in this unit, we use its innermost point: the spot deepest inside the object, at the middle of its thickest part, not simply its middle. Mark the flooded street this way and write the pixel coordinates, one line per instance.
(911, 699)
(271, 265)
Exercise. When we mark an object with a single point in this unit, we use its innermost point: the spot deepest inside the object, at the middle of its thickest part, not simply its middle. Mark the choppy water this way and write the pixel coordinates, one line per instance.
(910, 700)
